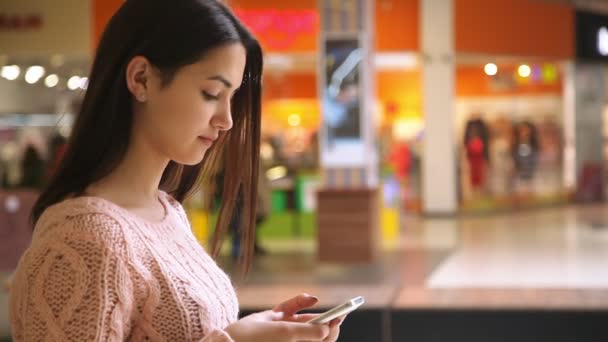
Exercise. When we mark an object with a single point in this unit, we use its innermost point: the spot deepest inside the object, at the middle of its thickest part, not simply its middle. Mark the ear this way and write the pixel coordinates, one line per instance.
(137, 76)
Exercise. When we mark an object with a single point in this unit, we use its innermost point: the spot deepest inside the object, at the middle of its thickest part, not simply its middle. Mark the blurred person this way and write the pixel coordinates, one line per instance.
(550, 155)
(32, 169)
(476, 146)
(174, 84)
(401, 159)
(263, 208)
(236, 221)
(10, 164)
(500, 152)
(4, 183)
(310, 156)
(58, 146)
(524, 151)
(550, 143)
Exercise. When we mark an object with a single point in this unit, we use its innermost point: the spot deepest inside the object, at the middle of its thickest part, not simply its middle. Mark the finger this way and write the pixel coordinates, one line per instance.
(270, 315)
(306, 332)
(302, 318)
(334, 333)
(297, 303)
(337, 321)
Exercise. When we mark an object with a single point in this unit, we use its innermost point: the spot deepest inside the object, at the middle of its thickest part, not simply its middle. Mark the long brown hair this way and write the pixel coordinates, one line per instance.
(170, 34)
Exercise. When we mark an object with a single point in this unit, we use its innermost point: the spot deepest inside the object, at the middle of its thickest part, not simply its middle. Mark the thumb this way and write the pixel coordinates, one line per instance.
(295, 304)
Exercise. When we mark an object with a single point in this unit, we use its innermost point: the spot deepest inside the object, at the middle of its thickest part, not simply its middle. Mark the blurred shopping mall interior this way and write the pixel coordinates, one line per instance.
(446, 159)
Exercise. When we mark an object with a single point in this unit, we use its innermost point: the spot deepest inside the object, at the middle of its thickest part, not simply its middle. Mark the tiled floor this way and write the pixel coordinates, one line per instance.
(558, 249)
(547, 258)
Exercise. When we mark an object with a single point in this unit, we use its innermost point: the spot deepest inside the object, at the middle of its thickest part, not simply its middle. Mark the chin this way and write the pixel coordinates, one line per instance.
(192, 159)
(190, 156)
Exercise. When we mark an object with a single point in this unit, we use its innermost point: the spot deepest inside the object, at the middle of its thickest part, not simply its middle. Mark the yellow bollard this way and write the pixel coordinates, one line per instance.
(199, 219)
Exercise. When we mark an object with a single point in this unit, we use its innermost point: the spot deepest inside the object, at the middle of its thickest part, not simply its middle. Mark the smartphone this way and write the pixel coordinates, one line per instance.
(340, 310)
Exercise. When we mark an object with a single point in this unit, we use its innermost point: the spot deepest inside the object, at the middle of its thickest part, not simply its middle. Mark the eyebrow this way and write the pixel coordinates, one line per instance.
(221, 79)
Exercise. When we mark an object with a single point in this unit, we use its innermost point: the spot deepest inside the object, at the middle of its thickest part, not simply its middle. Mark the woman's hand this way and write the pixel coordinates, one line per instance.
(271, 326)
(334, 325)
(304, 301)
(283, 324)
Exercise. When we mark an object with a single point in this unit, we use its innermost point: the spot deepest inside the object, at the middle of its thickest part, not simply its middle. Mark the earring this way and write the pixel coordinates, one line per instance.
(141, 97)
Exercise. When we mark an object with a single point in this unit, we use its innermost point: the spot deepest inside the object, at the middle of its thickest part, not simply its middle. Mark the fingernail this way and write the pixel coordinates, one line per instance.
(312, 297)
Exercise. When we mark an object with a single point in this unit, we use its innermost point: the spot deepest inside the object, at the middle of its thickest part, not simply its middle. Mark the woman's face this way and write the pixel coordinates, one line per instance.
(181, 119)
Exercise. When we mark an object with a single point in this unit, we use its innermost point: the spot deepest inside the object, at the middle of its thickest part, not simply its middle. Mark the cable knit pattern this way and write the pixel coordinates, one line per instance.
(96, 272)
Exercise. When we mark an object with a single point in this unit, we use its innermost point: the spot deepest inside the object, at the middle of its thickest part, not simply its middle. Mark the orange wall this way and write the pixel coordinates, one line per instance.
(102, 12)
(397, 25)
(290, 85)
(514, 27)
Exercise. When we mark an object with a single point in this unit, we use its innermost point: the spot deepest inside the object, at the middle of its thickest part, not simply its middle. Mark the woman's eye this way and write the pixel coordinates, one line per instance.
(210, 97)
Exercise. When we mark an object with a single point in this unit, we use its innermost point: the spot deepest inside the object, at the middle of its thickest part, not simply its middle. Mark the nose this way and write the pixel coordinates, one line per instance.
(222, 120)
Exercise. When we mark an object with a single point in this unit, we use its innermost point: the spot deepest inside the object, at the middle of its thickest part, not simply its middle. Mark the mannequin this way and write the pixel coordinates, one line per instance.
(525, 153)
(500, 154)
(477, 153)
(550, 154)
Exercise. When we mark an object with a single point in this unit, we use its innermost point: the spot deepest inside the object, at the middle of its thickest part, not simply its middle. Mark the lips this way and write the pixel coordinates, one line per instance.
(207, 140)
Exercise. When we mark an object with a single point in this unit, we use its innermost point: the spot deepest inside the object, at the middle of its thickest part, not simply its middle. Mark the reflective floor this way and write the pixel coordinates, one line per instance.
(543, 258)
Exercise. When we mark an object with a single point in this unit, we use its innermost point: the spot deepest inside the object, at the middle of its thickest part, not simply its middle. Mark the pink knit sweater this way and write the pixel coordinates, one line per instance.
(96, 272)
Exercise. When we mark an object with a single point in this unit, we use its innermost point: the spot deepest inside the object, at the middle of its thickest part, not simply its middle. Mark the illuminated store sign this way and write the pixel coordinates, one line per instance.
(18, 22)
(591, 37)
(279, 29)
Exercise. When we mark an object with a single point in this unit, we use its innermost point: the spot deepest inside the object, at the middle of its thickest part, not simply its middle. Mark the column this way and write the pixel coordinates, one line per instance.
(584, 128)
(439, 157)
(348, 203)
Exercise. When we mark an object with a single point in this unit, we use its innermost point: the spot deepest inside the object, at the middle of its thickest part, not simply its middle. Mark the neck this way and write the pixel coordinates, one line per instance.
(135, 182)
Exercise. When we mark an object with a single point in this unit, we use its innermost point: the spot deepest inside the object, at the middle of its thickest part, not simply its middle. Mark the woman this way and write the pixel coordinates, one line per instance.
(174, 84)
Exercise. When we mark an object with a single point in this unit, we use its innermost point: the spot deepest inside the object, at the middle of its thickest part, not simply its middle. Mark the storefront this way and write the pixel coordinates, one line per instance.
(509, 103)
(510, 133)
(589, 132)
(524, 94)
(289, 32)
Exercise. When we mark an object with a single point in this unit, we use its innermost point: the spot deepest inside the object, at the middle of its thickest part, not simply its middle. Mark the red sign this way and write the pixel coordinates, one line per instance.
(20, 22)
(279, 29)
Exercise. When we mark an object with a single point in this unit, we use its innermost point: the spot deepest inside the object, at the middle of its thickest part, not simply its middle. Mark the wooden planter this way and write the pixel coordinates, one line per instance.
(347, 221)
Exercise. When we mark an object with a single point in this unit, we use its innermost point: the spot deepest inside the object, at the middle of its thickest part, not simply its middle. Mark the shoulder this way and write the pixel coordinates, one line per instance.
(83, 218)
(75, 278)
